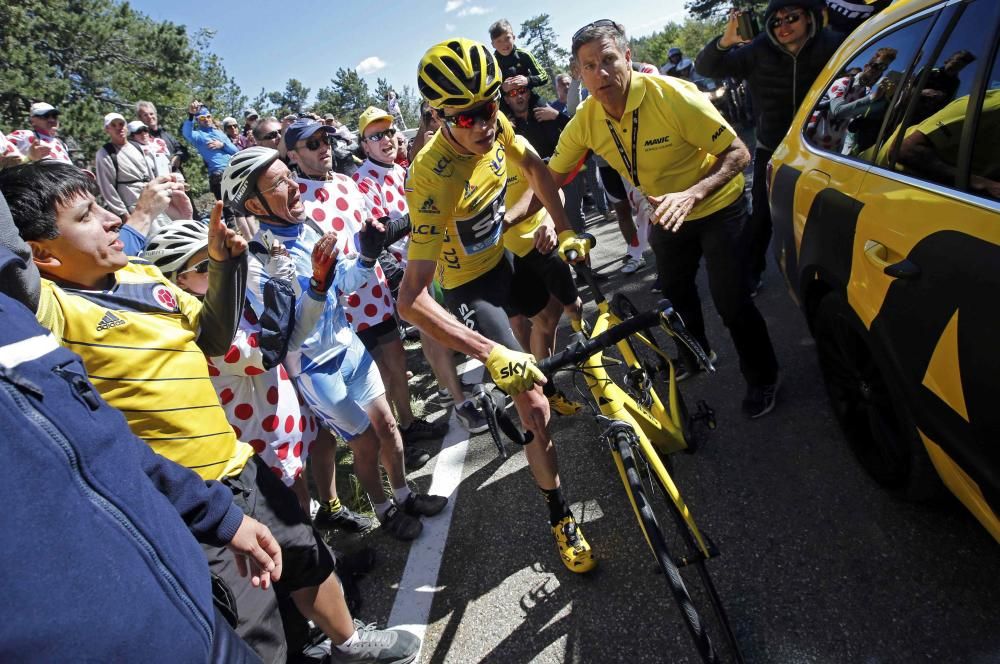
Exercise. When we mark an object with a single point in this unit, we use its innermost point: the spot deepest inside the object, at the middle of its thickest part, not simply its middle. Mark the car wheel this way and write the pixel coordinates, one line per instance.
(877, 423)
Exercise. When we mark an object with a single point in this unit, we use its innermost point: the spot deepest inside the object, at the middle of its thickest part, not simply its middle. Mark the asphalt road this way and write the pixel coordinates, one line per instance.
(818, 563)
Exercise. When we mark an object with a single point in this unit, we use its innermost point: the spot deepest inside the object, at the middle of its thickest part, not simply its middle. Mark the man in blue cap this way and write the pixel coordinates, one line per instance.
(212, 144)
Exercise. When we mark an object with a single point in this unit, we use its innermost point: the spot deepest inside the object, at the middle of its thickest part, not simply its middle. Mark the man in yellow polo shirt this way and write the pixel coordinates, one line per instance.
(664, 137)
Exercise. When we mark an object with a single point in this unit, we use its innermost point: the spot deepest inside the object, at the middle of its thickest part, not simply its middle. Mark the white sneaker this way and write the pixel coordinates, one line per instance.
(633, 264)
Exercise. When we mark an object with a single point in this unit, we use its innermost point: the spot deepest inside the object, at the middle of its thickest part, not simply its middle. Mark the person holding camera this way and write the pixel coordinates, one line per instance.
(779, 66)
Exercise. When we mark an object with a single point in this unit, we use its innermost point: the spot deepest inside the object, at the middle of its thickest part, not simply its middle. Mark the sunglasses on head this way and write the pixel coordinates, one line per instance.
(200, 268)
(271, 135)
(379, 135)
(467, 119)
(787, 20)
(602, 23)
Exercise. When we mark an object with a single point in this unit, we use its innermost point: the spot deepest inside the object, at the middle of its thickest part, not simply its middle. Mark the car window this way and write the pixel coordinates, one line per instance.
(934, 109)
(849, 114)
(984, 171)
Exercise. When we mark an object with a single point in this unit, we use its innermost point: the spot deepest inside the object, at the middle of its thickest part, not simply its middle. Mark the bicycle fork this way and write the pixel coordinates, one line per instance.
(612, 429)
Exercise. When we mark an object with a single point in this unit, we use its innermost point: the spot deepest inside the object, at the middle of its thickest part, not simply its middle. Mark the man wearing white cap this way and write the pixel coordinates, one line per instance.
(232, 130)
(41, 141)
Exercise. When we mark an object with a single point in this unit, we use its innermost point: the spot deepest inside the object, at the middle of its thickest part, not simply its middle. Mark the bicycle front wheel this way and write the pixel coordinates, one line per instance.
(694, 593)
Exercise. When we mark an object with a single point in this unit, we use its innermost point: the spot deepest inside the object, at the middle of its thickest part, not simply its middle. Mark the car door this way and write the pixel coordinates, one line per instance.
(926, 263)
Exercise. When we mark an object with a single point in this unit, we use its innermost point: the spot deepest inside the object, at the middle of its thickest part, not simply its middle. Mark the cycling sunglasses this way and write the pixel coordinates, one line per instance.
(379, 135)
(200, 268)
(516, 92)
(787, 20)
(468, 119)
(602, 23)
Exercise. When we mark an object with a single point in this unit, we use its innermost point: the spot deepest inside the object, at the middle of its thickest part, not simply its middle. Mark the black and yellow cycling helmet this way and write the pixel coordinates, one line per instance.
(458, 73)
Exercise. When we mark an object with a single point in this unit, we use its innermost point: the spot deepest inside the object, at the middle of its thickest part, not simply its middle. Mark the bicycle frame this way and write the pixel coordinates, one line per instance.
(657, 431)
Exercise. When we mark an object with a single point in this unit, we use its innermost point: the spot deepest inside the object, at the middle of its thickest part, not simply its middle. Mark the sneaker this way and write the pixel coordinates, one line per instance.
(423, 504)
(562, 405)
(471, 418)
(384, 646)
(421, 429)
(633, 264)
(684, 368)
(344, 519)
(415, 458)
(400, 525)
(610, 215)
(573, 548)
(760, 399)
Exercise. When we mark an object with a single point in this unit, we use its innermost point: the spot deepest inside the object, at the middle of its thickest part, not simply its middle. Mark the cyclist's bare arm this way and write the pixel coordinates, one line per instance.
(418, 307)
(534, 203)
(545, 190)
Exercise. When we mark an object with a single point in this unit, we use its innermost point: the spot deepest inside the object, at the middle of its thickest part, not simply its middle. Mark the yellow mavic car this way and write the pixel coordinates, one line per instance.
(885, 197)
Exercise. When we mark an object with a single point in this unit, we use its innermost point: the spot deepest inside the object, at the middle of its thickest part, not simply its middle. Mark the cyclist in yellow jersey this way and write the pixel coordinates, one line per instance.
(455, 191)
(663, 136)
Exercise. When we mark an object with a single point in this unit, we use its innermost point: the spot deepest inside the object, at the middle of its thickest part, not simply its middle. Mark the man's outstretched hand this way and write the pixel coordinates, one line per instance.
(223, 243)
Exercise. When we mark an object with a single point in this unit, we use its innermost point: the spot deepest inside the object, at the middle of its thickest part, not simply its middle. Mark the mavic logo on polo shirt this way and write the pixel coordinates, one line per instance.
(718, 132)
(513, 369)
(109, 321)
(428, 207)
(662, 140)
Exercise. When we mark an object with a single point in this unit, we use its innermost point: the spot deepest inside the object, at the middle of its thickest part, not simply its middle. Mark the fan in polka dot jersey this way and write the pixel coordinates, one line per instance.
(334, 202)
(42, 140)
(332, 370)
(381, 182)
(261, 404)
(9, 154)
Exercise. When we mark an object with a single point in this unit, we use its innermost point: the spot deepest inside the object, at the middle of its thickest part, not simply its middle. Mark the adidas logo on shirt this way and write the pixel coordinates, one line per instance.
(109, 321)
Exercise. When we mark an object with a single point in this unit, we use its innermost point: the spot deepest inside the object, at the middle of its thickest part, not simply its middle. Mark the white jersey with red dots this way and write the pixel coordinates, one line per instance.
(8, 149)
(382, 187)
(263, 405)
(24, 138)
(338, 205)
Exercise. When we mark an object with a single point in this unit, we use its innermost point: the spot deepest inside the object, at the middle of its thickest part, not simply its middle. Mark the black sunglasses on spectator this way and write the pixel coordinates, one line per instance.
(314, 143)
(379, 135)
(602, 23)
(787, 20)
(271, 135)
(468, 118)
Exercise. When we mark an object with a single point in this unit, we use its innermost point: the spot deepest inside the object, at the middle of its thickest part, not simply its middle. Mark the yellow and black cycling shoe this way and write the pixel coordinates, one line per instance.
(561, 405)
(573, 547)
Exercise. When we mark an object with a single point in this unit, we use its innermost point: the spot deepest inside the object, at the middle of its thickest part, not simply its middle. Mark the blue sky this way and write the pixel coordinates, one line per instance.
(263, 45)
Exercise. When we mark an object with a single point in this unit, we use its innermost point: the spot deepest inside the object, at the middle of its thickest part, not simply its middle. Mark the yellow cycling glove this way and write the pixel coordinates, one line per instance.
(513, 372)
(570, 241)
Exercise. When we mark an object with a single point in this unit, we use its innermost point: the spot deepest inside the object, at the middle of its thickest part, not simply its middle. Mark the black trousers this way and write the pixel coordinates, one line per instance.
(757, 234)
(716, 237)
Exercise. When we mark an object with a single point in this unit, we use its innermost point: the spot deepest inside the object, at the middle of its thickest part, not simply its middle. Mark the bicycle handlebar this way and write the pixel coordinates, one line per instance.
(582, 349)
(591, 241)
(664, 312)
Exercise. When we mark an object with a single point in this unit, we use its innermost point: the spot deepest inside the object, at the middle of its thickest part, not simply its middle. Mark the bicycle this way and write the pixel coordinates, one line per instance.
(644, 421)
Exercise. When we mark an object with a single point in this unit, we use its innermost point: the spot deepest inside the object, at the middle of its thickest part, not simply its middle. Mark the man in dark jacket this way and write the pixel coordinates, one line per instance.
(779, 65)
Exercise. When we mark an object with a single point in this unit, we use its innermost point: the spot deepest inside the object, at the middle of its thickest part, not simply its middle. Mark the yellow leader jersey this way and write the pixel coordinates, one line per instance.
(137, 341)
(667, 139)
(456, 205)
(520, 238)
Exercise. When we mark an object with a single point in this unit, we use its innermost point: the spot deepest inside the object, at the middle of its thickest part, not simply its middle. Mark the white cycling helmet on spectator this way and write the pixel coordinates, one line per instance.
(173, 245)
(239, 181)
